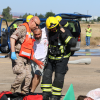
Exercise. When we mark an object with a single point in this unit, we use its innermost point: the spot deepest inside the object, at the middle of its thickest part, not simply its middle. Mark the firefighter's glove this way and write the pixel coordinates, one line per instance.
(39, 63)
(13, 56)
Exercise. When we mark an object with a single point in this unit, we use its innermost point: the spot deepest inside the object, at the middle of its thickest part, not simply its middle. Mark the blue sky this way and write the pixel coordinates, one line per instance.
(91, 7)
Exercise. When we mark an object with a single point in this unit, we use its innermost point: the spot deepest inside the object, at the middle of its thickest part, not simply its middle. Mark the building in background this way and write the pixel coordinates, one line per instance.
(15, 17)
(92, 18)
(1, 16)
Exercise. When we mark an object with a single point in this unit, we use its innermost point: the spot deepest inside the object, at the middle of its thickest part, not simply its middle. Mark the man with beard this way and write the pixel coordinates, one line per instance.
(40, 51)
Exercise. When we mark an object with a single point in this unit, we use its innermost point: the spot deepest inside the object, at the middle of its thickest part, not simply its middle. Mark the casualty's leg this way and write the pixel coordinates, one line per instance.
(35, 82)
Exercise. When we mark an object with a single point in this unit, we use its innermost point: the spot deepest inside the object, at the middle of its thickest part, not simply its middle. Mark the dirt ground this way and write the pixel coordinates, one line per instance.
(83, 77)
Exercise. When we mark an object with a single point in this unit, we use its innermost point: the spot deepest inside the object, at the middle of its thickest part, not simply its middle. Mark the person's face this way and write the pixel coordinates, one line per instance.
(88, 26)
(34, 24)
(54, 29)
(37, 34)
(88, 98)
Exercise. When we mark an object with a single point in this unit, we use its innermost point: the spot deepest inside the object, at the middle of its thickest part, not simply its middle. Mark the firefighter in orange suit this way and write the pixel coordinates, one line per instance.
(22, 42)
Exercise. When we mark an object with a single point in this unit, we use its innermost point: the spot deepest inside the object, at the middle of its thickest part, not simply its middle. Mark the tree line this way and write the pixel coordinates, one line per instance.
(6, 13)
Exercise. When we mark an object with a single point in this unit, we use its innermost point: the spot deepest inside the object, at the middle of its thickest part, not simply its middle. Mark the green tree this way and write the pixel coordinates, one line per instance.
(40, 16)
(20, 16)
(36, 14)
(98, 19)
(92, 21)
(49, 14)
(24, 16)
(6, 13)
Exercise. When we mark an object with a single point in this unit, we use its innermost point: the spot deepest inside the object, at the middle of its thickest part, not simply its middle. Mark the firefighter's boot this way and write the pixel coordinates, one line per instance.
(55, 98)
(45, 96)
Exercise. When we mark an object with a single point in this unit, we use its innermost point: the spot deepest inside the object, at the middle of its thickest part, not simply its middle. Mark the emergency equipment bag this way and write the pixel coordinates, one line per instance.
(7, 95)
(33, 97)
(4, 92)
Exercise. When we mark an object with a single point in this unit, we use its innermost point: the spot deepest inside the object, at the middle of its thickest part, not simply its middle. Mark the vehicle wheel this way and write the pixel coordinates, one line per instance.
(5, 49)
(72, 53)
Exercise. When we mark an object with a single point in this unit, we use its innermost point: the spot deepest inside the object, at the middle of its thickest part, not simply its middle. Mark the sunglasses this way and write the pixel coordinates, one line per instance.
(36, 24)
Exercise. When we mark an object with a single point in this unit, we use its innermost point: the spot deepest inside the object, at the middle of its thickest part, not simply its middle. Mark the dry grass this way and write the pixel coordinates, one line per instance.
(4, 25)
(95, 39)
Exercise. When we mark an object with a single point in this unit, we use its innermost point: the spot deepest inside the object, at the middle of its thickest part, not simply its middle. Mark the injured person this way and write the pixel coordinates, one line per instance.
(91, 95)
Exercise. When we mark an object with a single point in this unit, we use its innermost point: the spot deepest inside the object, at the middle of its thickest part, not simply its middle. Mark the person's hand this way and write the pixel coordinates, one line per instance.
(39, 63)
(62, 29)
(13, 56)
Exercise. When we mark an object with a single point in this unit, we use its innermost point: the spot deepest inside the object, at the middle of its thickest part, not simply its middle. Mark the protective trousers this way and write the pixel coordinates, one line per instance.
(22, 69)
(60, 69)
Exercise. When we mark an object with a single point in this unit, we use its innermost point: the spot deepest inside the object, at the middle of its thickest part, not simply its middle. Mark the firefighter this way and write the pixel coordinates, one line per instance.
(63, 22)
(60, 41)
(22, 42)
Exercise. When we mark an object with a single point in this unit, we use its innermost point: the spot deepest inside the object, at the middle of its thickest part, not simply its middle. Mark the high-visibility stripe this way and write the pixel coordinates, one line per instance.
(55, 88)
(46, 85)
(58, 58)
(67, 40)
(67, 55)
(30, 34)
(56, 93)
(62, 49)
(66, 24)
(51, 46)
(25, 53)
(47, 90)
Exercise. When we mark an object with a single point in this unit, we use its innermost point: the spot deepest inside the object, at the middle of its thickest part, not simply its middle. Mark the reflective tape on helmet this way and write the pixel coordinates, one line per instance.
(58, 58)
(67, 40)
(55, 88)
